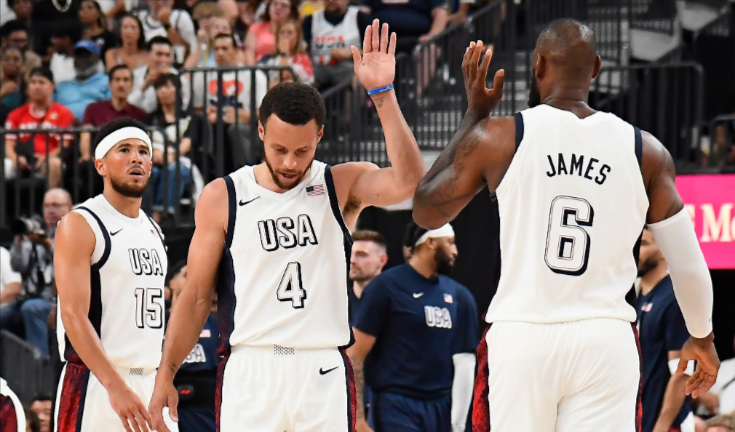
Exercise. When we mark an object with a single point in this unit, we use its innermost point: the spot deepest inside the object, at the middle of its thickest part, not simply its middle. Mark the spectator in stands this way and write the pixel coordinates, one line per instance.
(132, 50)
(32, 255)
(42, 406)
(212, 22)
(15, 33)
(21, 10)
(89, 85)
(10, 289)
(721, 423)
(261, 38)
(25, 156)
(234, 107)
(290, 51)
(33, 423)
(367, 261)
(13, 85)
(160, 61)
(310, 7)
(64, 38)
(245, 18)
(459, 10)
(95, 26)
(413, 20)
(165, 118)
(723, 149)
(329, 35)
(161, 19)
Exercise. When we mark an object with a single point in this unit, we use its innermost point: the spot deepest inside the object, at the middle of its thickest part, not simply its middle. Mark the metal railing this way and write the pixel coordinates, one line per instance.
(23, 368)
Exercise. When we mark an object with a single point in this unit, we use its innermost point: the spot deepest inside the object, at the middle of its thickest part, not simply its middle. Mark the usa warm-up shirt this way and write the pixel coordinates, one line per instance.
(662, 329)
(419, 324)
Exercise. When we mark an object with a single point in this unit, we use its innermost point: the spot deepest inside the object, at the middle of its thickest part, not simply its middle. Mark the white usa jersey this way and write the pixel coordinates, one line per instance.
(283, 274)
(572, 208)
(128, 271)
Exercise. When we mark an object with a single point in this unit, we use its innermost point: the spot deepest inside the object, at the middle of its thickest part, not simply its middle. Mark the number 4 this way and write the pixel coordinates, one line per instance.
(290, 288)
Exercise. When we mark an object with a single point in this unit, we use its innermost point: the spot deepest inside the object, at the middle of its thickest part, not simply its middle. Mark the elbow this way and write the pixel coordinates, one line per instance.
(425, 218)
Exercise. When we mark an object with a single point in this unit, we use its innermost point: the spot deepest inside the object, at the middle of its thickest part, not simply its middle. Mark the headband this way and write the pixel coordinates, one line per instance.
(443, 231)
(120, 135)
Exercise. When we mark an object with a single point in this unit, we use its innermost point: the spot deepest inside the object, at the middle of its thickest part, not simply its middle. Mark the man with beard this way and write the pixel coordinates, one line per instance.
(89, 85)
(110, 266)
(367, 261)
(419, 328)
(574, 188)
(662, 334)
(275, 238)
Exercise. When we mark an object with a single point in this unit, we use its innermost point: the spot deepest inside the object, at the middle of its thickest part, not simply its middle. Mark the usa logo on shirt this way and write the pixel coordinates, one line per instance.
(448, 298)
(646, 307)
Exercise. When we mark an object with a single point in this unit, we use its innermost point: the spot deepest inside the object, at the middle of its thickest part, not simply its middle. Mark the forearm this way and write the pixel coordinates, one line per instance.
(359, 375)
(10, 292)
(84, 141)
(243, 116)
(439, 23)
(673, 400)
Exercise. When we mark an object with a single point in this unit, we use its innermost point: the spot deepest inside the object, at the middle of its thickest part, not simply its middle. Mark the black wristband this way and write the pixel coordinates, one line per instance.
(167, 26)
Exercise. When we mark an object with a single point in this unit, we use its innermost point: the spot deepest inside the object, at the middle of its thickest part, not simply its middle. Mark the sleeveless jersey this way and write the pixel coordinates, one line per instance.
(128, 268)
(283, 274)
(325, 36)
(572, 207)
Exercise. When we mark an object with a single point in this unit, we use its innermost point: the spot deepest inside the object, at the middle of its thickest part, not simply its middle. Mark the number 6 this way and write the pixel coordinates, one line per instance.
(568, 244)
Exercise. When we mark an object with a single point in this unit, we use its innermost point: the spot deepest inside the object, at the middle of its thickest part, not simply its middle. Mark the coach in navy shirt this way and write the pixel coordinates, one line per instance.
(416, 334)
(662, 334)
(367, 261)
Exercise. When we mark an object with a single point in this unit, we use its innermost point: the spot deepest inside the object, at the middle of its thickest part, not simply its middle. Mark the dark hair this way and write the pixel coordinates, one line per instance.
(11, 48)
(13, 26)
(159, 40)
(102, 20)
(41, 397)
(141, 38)
(67, 28)
(32, 419)
(174, 270)
(293, 13)
(118, 67)
(371, 236)
(114, 125)
(228, 36)
(166, 78)
(412, 234)
(42, 71)
(293, 102)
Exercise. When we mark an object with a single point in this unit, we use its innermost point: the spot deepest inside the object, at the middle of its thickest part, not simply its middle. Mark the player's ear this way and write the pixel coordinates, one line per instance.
(320, 134)
(261, 130)
(596, 68)
(99, 165)
(539, 66)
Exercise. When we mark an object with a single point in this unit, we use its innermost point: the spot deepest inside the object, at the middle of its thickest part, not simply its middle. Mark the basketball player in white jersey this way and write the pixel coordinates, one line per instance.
(275, 237)
(110, 265)
(575, 188)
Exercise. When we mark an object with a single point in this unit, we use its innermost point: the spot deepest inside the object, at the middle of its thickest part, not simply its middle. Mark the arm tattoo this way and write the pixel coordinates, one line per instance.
(173, 367)
(379, 102)
(357, 370)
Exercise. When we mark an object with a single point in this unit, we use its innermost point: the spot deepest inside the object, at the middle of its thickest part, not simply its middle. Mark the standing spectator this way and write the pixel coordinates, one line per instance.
(32, 255)
(63, 39)
(15, 33)
(10, 289)
(211, 23)
(329, 35)
(367, 261)
(23, 155)
(13, 86)
(413, 20)
(89, 85)
(290, 51)
(419, 328)
(42, 406)
(12, 416)
(261, 38)
(662, 334)
(240, 149)
(95, 26)
(160, 61)
(132, 51)
(160, 19)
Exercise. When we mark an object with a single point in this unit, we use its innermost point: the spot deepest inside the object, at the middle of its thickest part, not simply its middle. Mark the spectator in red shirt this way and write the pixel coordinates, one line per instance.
(37, 152)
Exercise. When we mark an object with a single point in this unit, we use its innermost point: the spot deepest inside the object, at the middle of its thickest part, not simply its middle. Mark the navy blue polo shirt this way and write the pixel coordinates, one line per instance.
(419, 324)
(662, 329)
(354, 302)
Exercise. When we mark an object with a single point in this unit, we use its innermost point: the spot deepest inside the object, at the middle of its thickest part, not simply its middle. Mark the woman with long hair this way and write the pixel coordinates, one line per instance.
(261, 38)
(95, 26)
(132, 50)
(290, 51)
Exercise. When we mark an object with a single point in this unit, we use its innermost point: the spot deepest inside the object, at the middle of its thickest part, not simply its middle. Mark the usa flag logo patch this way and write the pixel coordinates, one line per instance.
(315, 190)
(448, 298)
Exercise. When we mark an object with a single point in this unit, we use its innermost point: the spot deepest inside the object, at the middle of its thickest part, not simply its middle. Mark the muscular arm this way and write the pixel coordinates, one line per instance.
(357, 353)
(673, 399)
(192, 306)
(659, 177)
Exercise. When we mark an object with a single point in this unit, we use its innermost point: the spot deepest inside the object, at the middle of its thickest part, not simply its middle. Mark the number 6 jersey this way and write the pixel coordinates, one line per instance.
(283, 274)
(572, 208)
(128, 271)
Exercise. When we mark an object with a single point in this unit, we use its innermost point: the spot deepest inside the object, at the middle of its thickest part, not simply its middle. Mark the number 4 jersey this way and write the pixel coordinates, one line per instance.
(572, 208)
(283, 274)
(128, 268)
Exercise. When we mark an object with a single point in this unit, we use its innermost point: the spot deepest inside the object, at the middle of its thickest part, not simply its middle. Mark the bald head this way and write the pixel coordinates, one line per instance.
(56, 203)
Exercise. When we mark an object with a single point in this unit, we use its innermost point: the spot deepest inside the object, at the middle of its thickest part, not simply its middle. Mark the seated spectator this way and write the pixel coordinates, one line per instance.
(63, 39)
(721, 423)
(459, 10)
(162, 19)
(33, 423)
(132, 50)
(41, 405)
(413, 21)
(310, 7)
(261, 38)
(290, 51)
(10, 289)
(21, 10)
(209, 27)
(13, 86)
(240, 148)
(245, 17)
(160, 61)
(28, 153)
(15, 33)
(95, 26)
(32, 255)
(329, 35)
(89, 85)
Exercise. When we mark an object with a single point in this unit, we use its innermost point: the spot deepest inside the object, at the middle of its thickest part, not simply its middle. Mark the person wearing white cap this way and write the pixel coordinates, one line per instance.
(110, 263)
(415, 333)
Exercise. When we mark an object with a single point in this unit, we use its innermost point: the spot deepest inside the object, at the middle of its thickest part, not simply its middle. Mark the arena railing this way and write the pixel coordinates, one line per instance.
(23, 368)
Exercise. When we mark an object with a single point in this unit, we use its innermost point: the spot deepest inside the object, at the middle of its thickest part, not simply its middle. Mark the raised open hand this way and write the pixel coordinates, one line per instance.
(376, 67)
(480, 99)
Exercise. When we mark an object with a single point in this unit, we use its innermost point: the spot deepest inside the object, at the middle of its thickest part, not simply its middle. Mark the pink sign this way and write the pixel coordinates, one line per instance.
(710, 200)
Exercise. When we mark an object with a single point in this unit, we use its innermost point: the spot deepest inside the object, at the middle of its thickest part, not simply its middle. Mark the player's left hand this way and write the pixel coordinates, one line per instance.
(376, 67)
(164, 395)
(480, 99)
(704, 377)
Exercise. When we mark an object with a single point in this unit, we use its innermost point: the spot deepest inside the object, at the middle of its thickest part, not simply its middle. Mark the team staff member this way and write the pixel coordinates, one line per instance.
(662, 334)
(420, 329)
(367, 261)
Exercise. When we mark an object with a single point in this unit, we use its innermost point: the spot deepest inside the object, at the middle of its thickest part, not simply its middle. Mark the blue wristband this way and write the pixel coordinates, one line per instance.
(380, 89)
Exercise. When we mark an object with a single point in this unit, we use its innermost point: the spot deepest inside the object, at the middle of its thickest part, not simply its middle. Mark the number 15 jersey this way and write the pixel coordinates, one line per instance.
(572, 207)
(284, 268)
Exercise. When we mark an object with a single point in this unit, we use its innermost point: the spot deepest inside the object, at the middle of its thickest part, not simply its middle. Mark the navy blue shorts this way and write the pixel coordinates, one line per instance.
(197, 419)
(391, 412)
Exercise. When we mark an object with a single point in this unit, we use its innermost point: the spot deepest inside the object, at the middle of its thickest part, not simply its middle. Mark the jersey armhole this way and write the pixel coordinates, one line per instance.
(519, 128)
(638, 145)
(105, 236)
(158, 231)
(231, 210)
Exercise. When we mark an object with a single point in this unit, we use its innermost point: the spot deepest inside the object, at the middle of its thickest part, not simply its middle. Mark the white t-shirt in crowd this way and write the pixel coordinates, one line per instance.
(235, 89)
(147, 99)
(7, 275)
(180, 20)
(62, 67)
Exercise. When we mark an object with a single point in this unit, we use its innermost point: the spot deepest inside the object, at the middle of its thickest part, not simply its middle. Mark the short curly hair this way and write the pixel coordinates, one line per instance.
(294, 103)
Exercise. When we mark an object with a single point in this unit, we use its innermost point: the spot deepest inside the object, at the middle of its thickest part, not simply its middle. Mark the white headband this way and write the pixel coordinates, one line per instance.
(443, 231)
(120, 135)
